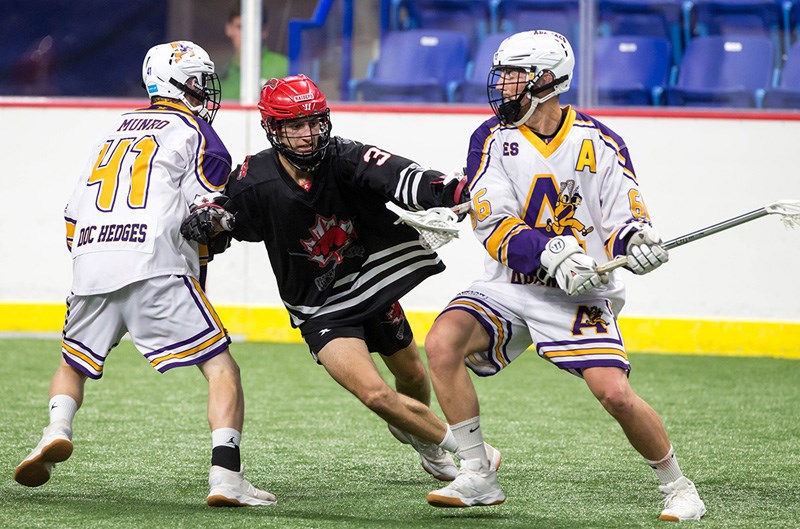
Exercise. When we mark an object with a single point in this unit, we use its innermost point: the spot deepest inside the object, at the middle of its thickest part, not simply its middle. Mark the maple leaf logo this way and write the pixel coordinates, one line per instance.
(329, 238)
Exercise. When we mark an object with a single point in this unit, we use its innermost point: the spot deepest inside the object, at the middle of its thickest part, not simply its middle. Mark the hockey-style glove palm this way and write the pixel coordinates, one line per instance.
(207, 217)
(644, 251)
(574, 271)
(455, 193)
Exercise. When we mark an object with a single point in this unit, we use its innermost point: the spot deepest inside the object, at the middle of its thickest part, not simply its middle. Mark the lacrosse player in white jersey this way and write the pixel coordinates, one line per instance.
(553, 192)
(134, 273)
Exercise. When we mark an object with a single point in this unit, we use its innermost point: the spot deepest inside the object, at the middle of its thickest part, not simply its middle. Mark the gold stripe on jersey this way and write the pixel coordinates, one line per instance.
(197, 348)
(497, 243)
(70, 233)
(498, 326)
(193, 120)
(546, 149)
(585, 352)
(74, 352)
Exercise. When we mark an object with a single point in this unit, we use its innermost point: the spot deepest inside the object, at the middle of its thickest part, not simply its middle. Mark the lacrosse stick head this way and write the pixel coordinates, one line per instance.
(436, 226)
(789, 210)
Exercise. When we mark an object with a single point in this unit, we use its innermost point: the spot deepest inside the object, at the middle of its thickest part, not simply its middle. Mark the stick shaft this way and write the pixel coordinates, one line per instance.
(620, 261)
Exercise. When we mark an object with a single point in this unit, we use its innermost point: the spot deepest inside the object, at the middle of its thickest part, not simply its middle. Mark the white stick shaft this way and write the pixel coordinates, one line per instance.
(620, 261)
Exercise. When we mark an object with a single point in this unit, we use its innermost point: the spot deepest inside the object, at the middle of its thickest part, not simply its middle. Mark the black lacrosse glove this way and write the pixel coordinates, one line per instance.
(455, 193)
(208, 217)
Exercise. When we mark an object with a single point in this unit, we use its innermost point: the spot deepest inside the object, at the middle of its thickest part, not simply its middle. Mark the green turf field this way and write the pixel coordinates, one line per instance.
(142, 447)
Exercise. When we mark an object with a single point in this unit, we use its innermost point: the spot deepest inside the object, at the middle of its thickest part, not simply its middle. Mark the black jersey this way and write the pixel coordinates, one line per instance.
(335, 249)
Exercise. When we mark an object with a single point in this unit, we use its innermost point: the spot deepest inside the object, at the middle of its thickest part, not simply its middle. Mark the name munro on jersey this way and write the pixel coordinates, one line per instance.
(142, 124)
(113, 233)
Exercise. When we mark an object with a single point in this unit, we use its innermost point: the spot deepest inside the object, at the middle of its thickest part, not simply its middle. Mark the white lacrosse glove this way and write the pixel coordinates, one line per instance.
(574, 271)
(644, 251)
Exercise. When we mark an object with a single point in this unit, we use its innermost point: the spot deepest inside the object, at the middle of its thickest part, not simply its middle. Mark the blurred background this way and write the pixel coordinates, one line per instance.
(635, 53)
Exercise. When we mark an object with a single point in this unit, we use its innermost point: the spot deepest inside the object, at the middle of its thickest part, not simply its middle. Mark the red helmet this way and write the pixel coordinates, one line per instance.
(296, 99)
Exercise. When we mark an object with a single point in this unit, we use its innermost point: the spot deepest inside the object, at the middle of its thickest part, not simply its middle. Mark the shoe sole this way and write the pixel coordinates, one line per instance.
(220, 500)
(672, 518)
(36, 471)
(440, 477)
(434, 500)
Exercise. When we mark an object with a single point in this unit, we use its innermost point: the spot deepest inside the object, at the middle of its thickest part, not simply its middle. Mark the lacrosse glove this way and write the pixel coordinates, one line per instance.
(574, 271)
(207, 217)
(455, 193)
(644, 251)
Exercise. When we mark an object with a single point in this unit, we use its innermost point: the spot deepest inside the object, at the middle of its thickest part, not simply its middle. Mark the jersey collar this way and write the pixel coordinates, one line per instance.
(546, 149)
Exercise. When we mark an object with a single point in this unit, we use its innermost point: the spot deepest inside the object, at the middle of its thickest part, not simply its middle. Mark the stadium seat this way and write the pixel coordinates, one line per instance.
(652, 18)
(787, 92)
(631, 70)
(468, 16)
(512, 16)
(473, 89)
(736, 18)
(415, 65)
(723, 72)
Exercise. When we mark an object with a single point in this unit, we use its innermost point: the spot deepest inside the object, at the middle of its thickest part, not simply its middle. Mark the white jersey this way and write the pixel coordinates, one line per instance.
(124, 216)
(526, 190)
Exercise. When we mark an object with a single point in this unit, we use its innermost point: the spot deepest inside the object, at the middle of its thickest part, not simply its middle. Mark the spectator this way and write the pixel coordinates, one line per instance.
(273, 65)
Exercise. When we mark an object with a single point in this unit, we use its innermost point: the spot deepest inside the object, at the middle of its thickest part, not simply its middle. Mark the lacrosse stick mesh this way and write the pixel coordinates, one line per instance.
(436, 226)
(789, 210)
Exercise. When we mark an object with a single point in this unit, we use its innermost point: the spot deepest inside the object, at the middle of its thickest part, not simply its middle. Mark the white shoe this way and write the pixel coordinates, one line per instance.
(435, 460)
(55, 447)
(681, 501)
(473, 487)
(230, 489)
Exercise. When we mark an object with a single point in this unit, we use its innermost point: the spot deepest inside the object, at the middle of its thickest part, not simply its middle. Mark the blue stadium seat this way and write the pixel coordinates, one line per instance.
(631, 70)
(473, 89)
(736, 18)
(513, 16)
(723, 72)
(787, 92)
(415, 65)
(652, 18)
(468, 16)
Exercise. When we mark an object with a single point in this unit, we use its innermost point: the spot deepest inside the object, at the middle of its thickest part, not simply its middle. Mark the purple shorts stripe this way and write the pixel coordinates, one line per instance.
(194, 360)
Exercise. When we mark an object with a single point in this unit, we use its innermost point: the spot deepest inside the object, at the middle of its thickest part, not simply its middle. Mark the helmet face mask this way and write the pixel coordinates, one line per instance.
(183, 71)
(514, 85)
(296, 118)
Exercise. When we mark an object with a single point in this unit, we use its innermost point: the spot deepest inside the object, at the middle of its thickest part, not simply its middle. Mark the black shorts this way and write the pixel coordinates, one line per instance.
(385, 332)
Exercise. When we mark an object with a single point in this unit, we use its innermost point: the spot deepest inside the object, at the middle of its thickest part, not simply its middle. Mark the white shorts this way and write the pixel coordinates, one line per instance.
(169, 320)
(572, 333)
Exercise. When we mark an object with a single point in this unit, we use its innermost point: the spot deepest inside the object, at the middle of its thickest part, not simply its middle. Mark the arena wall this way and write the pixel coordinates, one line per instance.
(732, 293)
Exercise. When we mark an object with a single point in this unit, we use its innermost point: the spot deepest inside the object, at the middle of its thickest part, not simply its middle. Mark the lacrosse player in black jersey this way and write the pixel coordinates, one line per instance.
(318, 203)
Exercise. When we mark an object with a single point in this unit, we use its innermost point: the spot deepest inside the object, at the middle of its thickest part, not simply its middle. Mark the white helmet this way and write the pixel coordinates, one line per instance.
(534, 52)
(168, 68)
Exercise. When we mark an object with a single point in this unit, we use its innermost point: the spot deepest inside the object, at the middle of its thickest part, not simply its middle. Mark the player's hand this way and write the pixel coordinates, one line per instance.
(574, 271)
(456, 193)
(207, 218)
(644, 251)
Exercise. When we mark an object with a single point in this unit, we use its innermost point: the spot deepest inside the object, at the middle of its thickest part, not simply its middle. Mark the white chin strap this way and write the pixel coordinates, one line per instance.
(534, 103)
(200, 110)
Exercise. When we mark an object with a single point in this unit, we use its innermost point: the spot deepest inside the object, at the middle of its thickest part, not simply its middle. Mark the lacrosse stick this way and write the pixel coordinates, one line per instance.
(436, 226)
(789, 210)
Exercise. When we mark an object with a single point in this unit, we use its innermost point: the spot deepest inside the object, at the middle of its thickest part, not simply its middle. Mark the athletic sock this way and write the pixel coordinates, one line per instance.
(470, 440)
(63, 408)
(225, 449)
(667, 468)
(449, 442)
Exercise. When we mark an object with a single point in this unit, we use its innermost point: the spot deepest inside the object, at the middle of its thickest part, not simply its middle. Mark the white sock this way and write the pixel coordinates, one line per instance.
(470, 440)
(226, 437)
(449, 442)
(667, 468)
(63, 408)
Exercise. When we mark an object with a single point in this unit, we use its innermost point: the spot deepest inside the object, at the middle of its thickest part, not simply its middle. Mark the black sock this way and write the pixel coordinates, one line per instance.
(227, 457)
